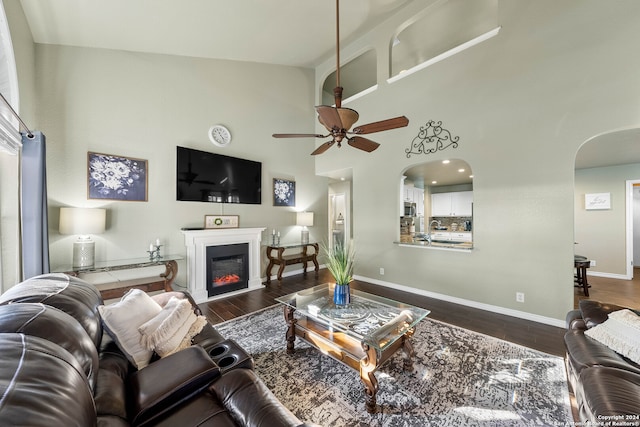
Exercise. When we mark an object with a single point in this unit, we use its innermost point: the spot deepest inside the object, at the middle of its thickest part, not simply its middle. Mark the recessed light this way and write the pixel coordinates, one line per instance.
(446, 162)
(460, 170)
(342, 179)
(434, 182)
(470, 176)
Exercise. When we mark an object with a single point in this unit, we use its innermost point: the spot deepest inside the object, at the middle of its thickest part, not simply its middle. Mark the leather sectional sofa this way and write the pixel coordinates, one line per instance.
(606, 384)
(58, 368)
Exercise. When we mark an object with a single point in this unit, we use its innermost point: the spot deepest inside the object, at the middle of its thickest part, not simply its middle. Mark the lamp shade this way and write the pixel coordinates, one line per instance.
(305, 219)
(82, 221)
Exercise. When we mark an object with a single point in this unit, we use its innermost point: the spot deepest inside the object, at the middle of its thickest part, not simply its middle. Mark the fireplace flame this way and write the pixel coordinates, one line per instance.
(226, 279)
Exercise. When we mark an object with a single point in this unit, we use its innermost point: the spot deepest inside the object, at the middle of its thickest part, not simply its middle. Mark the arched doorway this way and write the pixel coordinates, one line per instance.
(608, 165)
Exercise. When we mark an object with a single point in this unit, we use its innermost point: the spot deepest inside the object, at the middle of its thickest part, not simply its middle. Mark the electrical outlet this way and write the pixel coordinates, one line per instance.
(519, 296)
(592, 263)
(382, 271)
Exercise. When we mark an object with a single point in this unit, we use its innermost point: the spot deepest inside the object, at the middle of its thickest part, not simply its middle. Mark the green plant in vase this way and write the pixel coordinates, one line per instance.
(340, 259)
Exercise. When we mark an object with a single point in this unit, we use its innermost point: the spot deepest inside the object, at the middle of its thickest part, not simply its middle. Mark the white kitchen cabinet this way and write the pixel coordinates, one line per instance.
(418, 199)
(441, 236)
(452, 204)
(461, 237)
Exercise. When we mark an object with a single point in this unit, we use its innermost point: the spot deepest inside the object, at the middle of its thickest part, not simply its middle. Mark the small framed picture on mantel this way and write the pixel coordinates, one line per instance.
(221, 221)
(597, 201)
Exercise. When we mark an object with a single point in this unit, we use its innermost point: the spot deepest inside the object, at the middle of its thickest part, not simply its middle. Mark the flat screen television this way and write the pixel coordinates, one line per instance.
(208, 177)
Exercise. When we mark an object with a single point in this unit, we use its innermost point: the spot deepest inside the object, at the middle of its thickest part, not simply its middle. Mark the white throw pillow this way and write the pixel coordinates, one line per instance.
(620, 332)
(172, 329)
(122, 320)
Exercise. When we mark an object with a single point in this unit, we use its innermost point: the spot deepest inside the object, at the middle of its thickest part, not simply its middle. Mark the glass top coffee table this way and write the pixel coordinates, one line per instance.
(363, 334)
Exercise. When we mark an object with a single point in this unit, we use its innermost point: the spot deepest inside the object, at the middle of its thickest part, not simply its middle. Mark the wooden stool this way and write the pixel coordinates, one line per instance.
(581, 264)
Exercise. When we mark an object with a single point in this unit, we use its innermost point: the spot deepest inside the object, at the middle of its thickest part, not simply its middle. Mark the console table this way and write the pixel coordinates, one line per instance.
(282, 259)
(155, 283)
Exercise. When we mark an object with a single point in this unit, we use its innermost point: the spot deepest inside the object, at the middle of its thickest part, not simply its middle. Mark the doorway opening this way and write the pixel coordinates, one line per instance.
(339, 213)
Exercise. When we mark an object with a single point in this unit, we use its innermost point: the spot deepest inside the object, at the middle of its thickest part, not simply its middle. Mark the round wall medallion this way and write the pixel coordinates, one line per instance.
(219, 135)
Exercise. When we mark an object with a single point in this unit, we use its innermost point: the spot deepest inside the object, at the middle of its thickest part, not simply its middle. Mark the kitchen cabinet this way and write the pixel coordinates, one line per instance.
(452, 204)
(461, 237)
(441, 235)
(415, 195)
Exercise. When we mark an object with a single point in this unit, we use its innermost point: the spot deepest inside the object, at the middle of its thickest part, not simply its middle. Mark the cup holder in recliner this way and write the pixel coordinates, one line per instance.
(229, 355)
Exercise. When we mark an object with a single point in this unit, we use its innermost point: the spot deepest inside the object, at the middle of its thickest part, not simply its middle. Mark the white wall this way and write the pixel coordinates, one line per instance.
(522, 103)
(601, 234)
(143, 106)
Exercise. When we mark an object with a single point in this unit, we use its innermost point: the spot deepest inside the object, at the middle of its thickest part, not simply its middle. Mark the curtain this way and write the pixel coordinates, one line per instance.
(35, 232)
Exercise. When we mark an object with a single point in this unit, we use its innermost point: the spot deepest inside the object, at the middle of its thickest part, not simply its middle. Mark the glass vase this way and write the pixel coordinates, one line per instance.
(341, 294)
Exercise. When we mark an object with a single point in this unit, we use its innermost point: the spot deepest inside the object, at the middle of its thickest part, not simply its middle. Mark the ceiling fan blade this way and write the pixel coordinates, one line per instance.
(298, 135)
(329, 117)
(324, 147)
(396, 122)
(363, 143)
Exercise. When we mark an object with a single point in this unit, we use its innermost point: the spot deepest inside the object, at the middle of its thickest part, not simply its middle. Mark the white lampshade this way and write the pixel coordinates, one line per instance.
(305, 219)
(83, 222)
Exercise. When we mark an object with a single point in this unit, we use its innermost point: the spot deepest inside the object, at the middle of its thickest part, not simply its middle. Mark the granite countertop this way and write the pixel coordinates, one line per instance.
(465, 246)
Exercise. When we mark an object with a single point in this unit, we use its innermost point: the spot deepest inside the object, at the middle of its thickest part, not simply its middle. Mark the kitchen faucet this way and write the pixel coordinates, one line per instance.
(438, 223)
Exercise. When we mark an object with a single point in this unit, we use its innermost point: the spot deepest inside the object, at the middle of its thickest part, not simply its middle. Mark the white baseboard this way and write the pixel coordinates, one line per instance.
(560, 323)
(608, 275)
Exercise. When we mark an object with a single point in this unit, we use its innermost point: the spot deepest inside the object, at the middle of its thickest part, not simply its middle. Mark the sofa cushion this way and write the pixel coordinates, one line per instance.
(42, 384)
(172, 329)
(608, 392)
(73, 296)
(584, 352)
(122, 320)
(111, 390)
(620, 332)
(53, 325)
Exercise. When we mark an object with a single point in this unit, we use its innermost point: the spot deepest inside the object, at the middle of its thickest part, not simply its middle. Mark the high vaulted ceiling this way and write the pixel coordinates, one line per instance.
(285, 32)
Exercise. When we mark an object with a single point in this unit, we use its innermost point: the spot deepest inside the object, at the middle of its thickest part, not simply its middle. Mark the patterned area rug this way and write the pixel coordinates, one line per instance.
(460, 378)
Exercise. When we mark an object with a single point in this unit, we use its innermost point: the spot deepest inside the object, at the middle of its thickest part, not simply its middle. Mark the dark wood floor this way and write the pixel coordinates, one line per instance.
(621, 292)
(531, 334)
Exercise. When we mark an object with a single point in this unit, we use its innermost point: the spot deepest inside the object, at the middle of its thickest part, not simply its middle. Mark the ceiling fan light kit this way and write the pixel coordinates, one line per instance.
(338, 120)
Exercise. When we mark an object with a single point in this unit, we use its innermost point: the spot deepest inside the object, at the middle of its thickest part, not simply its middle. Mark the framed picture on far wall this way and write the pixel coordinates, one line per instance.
(284, 192)
(116, 178)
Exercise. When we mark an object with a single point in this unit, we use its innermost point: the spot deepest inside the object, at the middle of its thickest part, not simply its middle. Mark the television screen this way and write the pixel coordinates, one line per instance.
(207, 177)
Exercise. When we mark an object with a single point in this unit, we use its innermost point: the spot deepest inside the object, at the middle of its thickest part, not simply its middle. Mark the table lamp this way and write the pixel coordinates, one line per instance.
(304, 219)
(83, 222)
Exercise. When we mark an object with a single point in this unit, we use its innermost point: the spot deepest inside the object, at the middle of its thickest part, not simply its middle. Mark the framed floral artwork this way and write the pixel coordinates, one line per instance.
(116, 178)
(284, 192)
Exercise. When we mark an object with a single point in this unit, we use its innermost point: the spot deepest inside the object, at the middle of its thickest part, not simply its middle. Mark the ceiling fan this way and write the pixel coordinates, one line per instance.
(338, 120)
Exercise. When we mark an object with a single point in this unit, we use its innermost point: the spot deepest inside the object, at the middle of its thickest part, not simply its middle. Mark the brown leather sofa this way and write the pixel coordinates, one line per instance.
(58, 368)
(606, 384)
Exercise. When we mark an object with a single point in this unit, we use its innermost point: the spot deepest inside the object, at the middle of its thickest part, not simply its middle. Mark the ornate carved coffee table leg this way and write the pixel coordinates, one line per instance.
(368, 367)
(407, 348)
(291, 329)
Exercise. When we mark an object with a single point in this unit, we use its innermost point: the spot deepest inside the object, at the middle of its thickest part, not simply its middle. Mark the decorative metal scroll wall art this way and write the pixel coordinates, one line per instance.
(431, 138)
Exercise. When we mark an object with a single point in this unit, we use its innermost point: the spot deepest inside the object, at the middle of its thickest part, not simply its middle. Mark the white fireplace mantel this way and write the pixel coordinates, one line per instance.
(197, 241)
